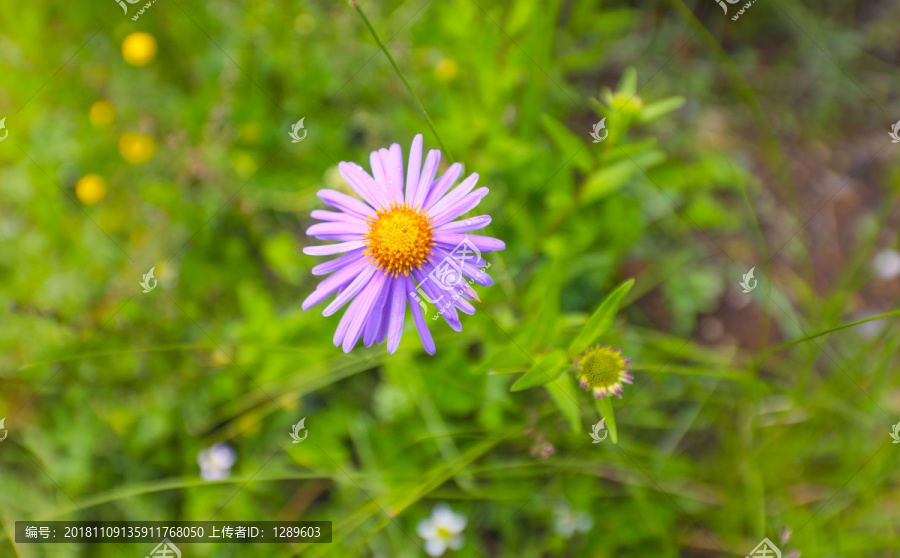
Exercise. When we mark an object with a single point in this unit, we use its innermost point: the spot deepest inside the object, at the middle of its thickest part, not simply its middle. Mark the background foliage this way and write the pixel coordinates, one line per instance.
(757, 143)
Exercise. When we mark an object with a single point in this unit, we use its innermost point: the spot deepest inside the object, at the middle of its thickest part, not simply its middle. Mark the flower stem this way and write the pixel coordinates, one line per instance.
(402, 77)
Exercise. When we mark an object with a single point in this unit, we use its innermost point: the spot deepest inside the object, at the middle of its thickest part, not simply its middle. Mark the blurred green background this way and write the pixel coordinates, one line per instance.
(758, 143)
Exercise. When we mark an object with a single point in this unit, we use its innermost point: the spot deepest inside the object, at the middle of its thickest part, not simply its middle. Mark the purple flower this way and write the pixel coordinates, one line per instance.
(397, 244)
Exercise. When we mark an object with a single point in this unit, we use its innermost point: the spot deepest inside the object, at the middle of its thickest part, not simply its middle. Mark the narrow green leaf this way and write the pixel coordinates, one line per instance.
(602, 320)
(545, 295)
(612, 177)
(628, 83)
(570, 144)
(545, 370)
(606, 411)
(562, 391)
(660, 108)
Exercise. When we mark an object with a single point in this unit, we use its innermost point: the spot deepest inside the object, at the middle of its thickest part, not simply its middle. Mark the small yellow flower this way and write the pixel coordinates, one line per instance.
(602, 370)
(139, 49)
(90, 189)
(102, 114)
(446, 69)
(137, 149)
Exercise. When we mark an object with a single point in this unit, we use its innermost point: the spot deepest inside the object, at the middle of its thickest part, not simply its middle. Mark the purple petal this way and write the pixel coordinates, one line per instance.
(458, 208)
(358, 228)
(397, 314)
(382, 331)
(440, 297)
(334, 216)
(483, 243)
(439, 188)
(357, 285)
(363, 184)
(360, 309)
(464, 305)
(337, 281)
(427, 177)
(345, 203)
(421, 325)
(467, 225)
(386, 309)
(373, 320)
(332, 249)
(375, 160)
(339, 237)
(392, 161)
(457, 194)
(413, 168)
(337, 263)
(470, 265)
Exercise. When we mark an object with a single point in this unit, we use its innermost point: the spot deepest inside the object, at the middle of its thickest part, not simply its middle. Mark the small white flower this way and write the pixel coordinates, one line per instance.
(887, 264)
(567, 522)
(442, 530)
(216, 461)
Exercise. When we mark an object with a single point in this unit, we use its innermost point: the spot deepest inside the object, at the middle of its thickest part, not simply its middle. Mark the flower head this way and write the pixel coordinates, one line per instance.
(442, 530)
(139, 48)
(91, 189)
(603, 370)
(400, 244)
(216, 462)
(135, 148)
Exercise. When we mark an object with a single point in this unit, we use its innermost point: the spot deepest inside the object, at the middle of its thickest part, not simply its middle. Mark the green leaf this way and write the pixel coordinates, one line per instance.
(509, 359)
(545, 295)
(628, 83)
(612, 177)
(602, 320)
(606, 410)
(570, 144)
(660, 108)
(545, 370)
(562, 391)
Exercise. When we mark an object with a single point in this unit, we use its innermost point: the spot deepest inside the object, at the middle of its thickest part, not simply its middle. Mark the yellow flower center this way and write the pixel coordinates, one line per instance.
(399, 239)
(602, 367)
(444, 533)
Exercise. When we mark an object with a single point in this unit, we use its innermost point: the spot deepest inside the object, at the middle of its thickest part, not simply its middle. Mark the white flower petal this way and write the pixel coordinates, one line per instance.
(457, 523)
(435, 547)
(427, 529)
(456, 542)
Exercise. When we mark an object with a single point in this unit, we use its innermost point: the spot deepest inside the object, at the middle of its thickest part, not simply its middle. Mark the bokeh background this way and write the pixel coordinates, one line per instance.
(757, 143)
